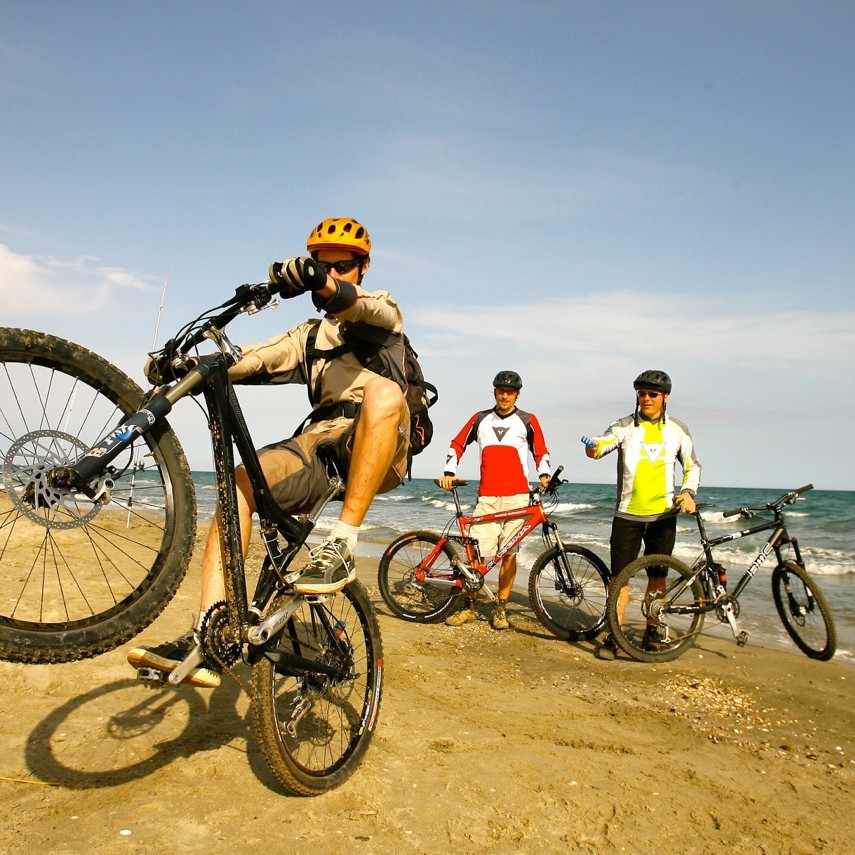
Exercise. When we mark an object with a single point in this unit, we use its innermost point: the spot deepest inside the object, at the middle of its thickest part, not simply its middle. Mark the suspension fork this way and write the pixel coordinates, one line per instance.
(552, 537)
(94, 462)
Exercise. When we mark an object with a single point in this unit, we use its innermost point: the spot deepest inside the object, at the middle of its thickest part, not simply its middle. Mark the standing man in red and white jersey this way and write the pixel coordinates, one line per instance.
(506, 436)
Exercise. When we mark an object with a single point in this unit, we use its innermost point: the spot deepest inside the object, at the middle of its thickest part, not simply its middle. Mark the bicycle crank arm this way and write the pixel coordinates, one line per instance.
(729, 614)
(273, 624)
(194, 658)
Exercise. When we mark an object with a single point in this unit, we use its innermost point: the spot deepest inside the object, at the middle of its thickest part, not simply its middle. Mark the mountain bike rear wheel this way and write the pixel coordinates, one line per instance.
(317, 690)
(568, 592)
(673, 605)
(80, 576)
(418, 578)
(804, 611)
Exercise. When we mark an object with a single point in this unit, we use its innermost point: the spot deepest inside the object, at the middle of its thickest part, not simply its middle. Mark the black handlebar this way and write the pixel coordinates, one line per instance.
(786, 499)
(257, 295)
(554, 482)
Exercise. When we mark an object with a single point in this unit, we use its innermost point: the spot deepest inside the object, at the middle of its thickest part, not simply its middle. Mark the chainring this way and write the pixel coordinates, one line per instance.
(218, 644)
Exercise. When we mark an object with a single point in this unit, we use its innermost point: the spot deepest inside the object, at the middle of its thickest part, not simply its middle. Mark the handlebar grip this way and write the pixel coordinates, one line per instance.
(804, 489)
(552, 485)
(736, 512)
(455, 483)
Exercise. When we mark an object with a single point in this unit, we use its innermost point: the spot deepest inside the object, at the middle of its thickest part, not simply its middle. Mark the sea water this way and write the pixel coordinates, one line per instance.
(822, 520)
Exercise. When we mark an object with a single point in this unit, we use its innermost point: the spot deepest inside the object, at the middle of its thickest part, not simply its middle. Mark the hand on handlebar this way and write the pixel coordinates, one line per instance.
(295, 276)
(685, 502)
(446, 481)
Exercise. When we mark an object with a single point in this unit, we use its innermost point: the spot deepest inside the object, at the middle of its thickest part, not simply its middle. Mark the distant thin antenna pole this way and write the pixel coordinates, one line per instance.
(160, 310)
(139, 465)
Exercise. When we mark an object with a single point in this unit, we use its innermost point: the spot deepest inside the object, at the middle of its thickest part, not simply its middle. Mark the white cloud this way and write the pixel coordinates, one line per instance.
(642, 328)
(756, 384)
(34, 286)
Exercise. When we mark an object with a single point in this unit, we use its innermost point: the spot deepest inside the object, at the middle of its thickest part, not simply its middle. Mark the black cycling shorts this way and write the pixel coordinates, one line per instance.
(627, 537)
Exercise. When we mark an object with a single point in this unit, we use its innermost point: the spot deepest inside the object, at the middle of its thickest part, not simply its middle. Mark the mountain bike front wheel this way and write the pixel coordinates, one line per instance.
(81, 575)
(418, 578)
(317, 690)
(804, 611)
(671, 605)
(568, 590)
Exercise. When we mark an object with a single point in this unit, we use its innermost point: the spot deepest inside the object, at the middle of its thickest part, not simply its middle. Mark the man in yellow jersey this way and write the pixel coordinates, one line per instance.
(649, 444)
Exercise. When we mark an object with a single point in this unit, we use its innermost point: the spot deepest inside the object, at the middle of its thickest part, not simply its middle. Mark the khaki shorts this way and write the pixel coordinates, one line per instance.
(298, 469)
(492, 535)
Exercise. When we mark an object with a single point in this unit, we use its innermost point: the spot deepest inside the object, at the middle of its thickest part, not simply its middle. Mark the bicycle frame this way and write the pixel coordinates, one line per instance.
(475, 573)
(777, 539)
(533, 515)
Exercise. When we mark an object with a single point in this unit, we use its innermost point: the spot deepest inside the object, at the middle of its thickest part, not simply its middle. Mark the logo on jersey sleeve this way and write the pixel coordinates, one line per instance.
(652, 450)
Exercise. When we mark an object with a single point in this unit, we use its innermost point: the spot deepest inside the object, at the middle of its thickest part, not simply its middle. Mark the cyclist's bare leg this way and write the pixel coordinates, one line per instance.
(623, 599)
(375, 441)
(374, 445)
(507, 575)
(213, 585)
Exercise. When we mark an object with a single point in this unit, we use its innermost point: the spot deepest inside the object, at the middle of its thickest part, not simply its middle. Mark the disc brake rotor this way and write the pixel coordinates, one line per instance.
(26, 466)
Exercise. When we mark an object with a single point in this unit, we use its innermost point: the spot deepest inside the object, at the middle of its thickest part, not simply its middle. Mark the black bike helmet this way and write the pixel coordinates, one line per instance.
(510, 379)
(658, 381)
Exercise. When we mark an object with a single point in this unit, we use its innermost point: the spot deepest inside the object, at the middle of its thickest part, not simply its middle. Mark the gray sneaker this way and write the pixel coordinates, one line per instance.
(331, 568)
(168, 656)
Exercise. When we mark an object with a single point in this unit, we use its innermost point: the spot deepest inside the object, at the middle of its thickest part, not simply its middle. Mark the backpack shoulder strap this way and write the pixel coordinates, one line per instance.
(313, 352)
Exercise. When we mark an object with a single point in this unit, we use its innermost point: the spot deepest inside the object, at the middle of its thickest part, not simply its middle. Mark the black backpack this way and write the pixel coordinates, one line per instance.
(388, 354)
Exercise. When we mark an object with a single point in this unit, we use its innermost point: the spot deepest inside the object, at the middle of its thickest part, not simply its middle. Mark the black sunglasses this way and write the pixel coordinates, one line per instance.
(339, 266)
(643, 393)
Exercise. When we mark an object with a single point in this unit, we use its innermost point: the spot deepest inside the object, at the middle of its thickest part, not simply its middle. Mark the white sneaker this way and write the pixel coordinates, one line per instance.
(331, 568)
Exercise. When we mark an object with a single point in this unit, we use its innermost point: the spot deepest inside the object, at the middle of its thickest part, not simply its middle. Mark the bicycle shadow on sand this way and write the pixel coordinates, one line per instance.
(125, 731)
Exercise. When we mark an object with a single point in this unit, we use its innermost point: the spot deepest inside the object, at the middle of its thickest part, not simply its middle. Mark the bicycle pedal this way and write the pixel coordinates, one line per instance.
(742, 639)
(151, 677)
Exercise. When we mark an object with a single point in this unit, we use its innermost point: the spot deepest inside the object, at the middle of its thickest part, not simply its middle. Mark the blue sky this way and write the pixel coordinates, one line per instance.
(574, 190)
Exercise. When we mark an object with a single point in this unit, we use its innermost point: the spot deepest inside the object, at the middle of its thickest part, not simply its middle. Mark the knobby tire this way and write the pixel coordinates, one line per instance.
(804, 611)
(80, 577)
(680, 592)
(571, 608)
(313, 728)
(426, 600)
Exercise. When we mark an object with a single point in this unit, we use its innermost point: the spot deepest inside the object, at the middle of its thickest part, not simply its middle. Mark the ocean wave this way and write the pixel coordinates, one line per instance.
(573, 507)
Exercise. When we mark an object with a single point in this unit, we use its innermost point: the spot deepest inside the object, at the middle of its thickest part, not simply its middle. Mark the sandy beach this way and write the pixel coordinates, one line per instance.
(500, 742)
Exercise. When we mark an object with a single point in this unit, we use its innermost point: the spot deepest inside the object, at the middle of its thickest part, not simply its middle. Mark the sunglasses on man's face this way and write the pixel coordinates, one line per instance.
(643, 393)
(339, 266)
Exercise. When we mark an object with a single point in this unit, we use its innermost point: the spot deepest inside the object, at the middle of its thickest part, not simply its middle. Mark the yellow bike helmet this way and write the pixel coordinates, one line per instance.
(339, 233)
